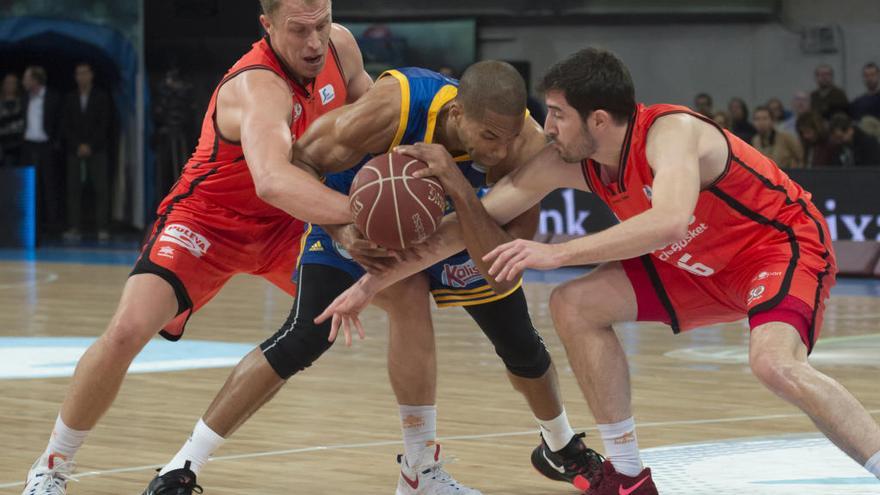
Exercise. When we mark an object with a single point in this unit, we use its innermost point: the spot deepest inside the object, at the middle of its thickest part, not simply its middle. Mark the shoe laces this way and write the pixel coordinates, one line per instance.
(54, 480)
(186, 483)
(437, 473)
(587, 462)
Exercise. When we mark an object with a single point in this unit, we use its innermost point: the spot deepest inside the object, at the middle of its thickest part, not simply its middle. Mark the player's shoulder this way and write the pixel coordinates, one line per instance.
(345, 43)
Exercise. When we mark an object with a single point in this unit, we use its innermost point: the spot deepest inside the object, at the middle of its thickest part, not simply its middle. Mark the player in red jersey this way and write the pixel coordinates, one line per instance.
(711, 231)
(229, 213)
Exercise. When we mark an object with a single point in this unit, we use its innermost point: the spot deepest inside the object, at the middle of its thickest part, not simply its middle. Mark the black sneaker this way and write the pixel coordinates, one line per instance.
(178, 482)
(575, 463)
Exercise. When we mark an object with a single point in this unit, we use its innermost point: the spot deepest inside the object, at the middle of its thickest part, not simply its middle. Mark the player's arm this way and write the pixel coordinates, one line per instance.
(512, 196)
(358, 82)
(339, 139)
(673, 155)
(265, 108)
(480, 232)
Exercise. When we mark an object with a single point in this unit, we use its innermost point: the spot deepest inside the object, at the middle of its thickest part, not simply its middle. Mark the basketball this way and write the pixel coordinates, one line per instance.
(390, 206)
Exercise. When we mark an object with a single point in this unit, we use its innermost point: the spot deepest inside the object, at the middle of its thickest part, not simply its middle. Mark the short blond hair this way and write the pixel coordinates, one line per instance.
(270, 6)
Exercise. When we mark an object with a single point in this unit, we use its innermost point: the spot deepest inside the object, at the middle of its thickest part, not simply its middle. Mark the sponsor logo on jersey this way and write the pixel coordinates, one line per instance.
(316, 247)
(183, 236)
(166, 251)
(328, 94)
(665, 253)
(649, 193)
(756, 293)
(765, 276)
(460, 276)
(297, 112)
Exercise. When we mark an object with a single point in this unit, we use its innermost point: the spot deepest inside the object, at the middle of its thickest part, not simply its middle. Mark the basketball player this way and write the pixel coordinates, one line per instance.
(229, 213)
(711, 231)
(481, 121)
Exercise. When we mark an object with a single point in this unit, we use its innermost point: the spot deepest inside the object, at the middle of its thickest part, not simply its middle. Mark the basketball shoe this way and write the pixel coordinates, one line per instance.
(575, 463)
(613, 483)
(177, 482)
(49, 476)
(426, 476)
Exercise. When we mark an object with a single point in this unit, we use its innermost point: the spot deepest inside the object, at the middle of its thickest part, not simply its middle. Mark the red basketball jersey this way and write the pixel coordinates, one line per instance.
(753, 203)
(218, 169)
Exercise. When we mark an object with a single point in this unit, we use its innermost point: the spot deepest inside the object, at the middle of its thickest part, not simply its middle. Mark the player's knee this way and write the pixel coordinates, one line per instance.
(126, 337)
(785, 377)
(523, 351)
(295, 346)
(564, 308)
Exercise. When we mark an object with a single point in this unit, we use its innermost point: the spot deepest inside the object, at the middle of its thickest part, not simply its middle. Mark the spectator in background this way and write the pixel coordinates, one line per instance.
(812, 130)
(40, 144)
(173, 108)
(781, 147)
(827, 99)
(85, 132)
(800, 104)
(869, 103)
(722, 118)
(778, 112)
(739, 120)
(703, 104)
(11, 121)
(854, 146)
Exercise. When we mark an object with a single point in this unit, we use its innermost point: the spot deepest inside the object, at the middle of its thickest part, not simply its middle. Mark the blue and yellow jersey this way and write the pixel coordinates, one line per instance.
(455, 281)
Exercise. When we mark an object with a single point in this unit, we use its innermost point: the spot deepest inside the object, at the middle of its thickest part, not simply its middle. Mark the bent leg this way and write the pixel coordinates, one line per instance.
(148, 302)
(294, 347)
(778, 358)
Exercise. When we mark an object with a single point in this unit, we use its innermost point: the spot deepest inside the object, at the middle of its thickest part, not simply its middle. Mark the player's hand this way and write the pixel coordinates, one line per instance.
(345, 310)
(371, 256)
(440, 165)
(510, 259)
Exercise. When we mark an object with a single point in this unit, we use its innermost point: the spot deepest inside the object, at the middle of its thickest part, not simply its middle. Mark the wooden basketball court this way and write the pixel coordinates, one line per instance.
(334, 429)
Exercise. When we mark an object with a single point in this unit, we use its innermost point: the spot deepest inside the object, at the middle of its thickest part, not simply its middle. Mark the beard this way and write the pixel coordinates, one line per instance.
(583, 148)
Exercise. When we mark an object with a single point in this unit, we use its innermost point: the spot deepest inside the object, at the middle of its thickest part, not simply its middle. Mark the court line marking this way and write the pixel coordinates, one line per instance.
(382, 443)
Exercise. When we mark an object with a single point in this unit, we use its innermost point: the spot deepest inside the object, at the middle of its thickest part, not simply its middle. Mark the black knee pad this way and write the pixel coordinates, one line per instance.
(299, 342)
(508, 325)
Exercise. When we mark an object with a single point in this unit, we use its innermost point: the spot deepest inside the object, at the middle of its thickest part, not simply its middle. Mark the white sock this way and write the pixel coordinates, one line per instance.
(65, 441)
(556, 432)
(197, 449)
(873, 465)
(622, 446)
(419, 425)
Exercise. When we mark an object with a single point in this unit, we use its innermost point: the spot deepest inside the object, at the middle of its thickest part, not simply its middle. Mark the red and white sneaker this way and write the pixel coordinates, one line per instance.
(426, 476)
(49, 476)
(613, 483)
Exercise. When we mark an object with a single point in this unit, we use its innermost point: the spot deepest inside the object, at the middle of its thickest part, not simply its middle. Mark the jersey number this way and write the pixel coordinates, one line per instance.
(696, 268)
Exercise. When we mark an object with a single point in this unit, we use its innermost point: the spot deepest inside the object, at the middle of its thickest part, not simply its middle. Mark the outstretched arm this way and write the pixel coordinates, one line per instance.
(513, 195)
(673, 154)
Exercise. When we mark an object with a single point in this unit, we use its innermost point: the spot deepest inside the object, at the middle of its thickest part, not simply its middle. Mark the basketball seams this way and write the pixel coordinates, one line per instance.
(375, 202)
(396, 208)
(395, 169)
(416, 198)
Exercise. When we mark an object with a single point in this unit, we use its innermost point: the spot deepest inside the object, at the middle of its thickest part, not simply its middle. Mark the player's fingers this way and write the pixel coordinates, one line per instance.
(360, 327)
(412, 150)
(516, 267)
(347, 329)
(501, 260)
(491, 255)
(321, 318)
(334, 328)
(504, 274)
